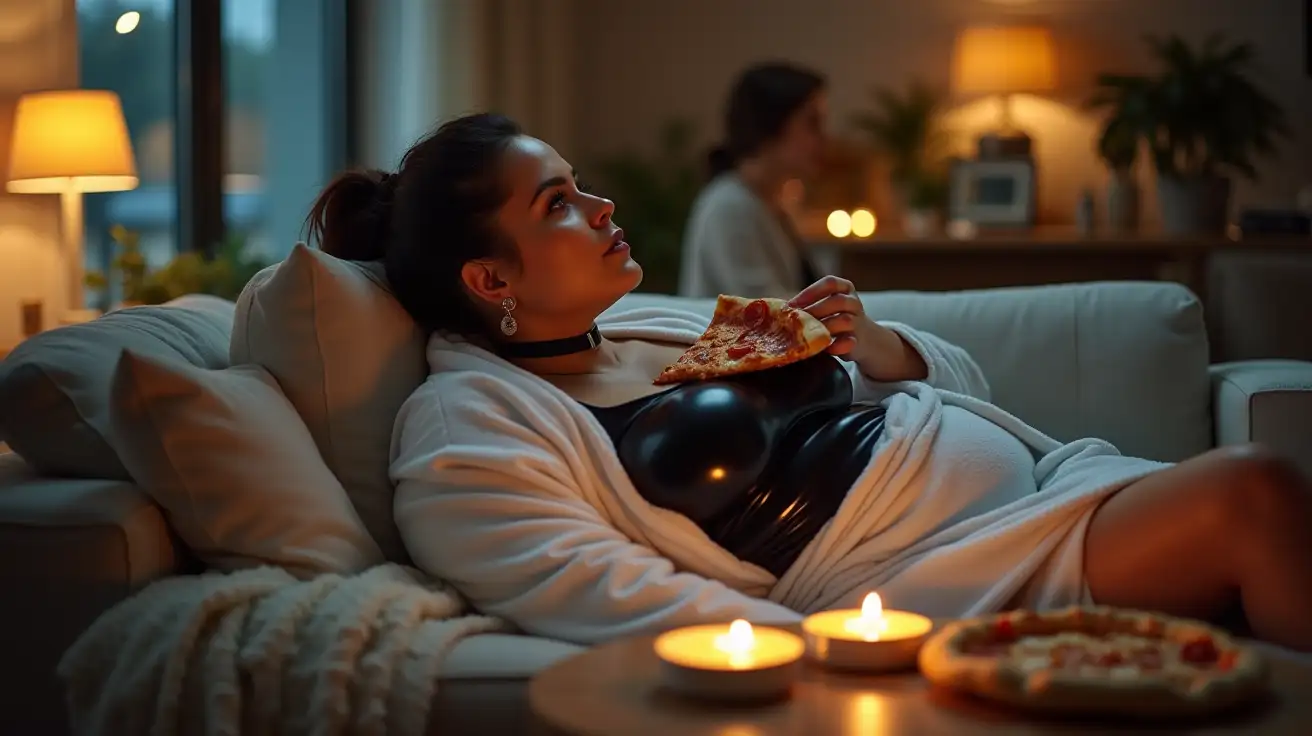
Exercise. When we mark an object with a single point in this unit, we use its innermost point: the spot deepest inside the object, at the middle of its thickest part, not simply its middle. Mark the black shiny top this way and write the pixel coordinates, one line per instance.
(760, 461)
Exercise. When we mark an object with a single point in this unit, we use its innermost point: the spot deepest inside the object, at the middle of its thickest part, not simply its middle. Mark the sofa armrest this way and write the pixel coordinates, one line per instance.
(69, 550)
(1265, 401)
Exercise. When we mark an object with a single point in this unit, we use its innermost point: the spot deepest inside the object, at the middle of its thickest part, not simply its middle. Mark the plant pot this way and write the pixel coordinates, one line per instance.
(920, 223)
(1196, 205)
(1122, 204)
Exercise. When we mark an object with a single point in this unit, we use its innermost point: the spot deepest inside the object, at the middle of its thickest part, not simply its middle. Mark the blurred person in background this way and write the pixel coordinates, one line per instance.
(739, 239)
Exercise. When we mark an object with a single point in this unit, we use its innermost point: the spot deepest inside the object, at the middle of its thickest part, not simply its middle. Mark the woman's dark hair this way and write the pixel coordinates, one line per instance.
(427, 220)
(761, 101)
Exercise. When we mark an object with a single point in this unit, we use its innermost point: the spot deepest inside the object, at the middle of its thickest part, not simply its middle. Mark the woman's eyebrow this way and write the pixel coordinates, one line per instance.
(554, 181)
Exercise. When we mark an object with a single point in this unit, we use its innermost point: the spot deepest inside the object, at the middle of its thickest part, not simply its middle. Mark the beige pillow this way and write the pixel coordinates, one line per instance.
(347, 356)
(54, 387)
(226, 456)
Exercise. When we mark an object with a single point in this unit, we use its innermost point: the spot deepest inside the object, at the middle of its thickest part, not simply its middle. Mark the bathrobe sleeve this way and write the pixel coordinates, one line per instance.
(950, 368)
(489, 499)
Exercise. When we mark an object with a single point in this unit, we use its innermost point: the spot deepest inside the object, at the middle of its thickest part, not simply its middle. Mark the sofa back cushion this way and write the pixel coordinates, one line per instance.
(1123, 361)
(55, 386)
(346, 355)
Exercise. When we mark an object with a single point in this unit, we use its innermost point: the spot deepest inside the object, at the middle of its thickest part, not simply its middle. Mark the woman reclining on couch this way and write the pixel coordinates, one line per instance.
(541, 472)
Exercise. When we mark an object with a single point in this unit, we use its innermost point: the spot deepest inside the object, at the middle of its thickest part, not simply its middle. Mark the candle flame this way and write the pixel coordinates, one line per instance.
(871, 623)
(738, 643)
(872, 608)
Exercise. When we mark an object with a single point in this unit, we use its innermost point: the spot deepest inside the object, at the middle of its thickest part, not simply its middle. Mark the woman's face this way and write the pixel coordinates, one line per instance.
(573, 262)
(799, 149)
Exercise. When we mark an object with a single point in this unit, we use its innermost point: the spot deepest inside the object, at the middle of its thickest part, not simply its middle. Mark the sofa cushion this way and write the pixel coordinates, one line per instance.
(1126, 362)
(346, 355)
(54, 387)
(236, 471)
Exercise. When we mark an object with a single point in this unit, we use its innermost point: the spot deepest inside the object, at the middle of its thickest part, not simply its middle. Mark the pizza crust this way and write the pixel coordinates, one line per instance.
(1176, 690)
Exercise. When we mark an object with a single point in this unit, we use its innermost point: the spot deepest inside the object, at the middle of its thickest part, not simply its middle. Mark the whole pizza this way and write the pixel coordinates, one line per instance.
(748, 335)
(1095, 660)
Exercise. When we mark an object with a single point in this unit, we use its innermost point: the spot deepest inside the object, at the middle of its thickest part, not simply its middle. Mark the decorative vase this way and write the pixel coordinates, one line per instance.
(920, 223)
(1122, 203)
(1194, 205)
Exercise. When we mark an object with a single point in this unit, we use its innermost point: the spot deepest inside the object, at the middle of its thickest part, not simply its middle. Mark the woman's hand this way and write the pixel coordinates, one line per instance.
(880, 353)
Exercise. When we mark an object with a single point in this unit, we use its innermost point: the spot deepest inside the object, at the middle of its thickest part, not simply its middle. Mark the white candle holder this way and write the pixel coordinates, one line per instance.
(866, 640)
(729, 663)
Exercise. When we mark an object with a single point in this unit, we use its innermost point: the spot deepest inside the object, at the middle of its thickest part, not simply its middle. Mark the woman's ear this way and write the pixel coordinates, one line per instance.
(484, 281)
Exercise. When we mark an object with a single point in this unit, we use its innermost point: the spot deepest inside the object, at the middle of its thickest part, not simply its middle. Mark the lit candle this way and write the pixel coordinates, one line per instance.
(871, 639)
(734, 662)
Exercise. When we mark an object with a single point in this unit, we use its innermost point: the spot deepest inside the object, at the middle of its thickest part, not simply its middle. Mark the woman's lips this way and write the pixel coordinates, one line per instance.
(617, 243)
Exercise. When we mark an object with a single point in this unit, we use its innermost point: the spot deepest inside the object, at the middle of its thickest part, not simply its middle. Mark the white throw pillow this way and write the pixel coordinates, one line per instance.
(347, 356)
(54, 387)
(226, 456)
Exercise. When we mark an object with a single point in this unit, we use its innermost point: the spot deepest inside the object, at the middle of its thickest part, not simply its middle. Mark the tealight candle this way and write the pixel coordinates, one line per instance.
(734, 662)
(871, 639)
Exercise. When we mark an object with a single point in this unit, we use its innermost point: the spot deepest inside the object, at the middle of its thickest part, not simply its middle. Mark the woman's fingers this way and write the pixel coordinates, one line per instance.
(842, 345)
(827, 286)
(840, 324)
(836, 304)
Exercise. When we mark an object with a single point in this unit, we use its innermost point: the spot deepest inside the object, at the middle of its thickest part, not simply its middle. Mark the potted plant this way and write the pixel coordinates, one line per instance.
(905, 127)
(1202, 119)
(1118, 146)
(654, 196)
(224, 274)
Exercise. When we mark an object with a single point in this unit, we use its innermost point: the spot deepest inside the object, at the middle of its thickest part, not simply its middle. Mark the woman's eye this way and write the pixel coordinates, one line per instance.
(557, 201)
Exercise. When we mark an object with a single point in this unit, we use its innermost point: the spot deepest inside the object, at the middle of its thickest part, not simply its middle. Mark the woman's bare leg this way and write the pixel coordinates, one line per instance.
(1229, 527)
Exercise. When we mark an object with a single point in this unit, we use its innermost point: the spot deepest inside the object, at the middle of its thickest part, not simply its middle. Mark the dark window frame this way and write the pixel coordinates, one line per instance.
(199, 113)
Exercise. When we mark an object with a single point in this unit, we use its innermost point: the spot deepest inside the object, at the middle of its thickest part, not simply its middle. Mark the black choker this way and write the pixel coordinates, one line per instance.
(551, 348)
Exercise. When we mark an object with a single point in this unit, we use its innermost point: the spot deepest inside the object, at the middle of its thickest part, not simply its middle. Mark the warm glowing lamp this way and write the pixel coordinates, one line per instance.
(863, 223)
(68, 143)
(1005, 61)
(839, 224)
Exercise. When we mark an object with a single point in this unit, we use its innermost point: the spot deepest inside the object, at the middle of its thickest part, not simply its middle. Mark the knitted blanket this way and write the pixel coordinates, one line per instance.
(260, 652)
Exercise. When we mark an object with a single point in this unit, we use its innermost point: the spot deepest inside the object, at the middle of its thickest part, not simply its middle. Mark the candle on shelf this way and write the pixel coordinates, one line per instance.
(871, 639)
(734, 662)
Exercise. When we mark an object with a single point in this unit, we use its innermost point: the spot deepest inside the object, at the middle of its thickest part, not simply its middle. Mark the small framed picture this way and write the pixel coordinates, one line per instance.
(992, 193)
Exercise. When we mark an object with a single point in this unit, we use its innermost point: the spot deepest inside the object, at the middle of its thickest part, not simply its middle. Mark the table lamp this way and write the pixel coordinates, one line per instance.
(1004, 61)
(70, 142)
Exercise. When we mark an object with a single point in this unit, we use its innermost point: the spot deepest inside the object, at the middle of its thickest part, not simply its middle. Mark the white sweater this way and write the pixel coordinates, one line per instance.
(512, 491)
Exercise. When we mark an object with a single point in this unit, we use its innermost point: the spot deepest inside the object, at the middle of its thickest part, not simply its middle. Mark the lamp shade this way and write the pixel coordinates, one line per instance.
(1003, 60)
(70, 140)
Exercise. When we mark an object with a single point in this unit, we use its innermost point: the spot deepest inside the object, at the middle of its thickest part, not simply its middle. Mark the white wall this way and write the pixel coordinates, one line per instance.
(38, 50)
(637, 62)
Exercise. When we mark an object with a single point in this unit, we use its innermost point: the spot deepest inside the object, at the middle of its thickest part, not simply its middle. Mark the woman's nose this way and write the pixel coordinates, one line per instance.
(602, 210)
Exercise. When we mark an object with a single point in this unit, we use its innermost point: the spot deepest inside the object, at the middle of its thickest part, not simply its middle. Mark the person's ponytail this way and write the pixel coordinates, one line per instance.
(351, 218)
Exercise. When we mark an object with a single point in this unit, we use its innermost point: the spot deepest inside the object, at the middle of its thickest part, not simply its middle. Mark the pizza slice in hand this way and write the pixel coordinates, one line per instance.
(748, 335)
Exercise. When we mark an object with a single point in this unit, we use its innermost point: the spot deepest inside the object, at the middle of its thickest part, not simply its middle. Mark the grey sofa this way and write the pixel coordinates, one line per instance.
(1124, 361)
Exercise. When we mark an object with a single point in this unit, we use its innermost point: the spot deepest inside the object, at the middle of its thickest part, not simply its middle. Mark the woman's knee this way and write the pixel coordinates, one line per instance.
(1256, 487)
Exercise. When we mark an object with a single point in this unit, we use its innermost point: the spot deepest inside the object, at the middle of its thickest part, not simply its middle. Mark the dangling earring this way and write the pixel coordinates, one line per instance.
(508, 324)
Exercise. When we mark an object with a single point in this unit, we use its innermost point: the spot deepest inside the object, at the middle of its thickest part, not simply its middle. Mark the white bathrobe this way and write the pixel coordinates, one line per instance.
(512, 491)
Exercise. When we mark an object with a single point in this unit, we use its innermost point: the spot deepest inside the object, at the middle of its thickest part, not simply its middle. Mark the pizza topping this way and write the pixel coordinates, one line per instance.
(1003, 630)
(1226, 661)
(740, 350)
(986, 647)
(756, 313)
(1200, 651)
(1148, 658)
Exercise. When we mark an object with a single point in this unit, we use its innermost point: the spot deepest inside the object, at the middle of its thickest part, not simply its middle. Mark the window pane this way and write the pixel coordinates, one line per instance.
(127, 47)
(278, 94)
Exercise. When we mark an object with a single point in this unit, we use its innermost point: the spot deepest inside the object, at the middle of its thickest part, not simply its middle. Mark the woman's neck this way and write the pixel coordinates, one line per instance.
(763, 180)
(593, 360)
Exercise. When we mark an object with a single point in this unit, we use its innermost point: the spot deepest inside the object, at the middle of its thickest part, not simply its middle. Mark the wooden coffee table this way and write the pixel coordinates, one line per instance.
(613, 689)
